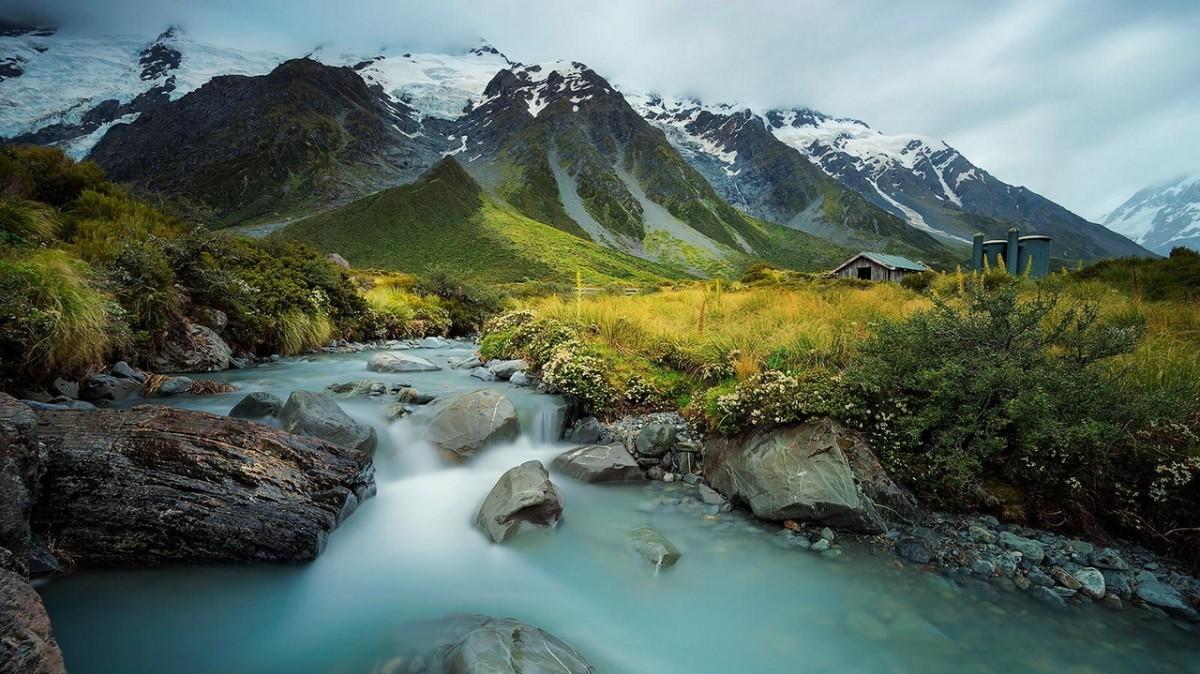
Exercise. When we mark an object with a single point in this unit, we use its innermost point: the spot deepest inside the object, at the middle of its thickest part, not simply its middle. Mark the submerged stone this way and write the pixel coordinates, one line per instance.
(653, 547)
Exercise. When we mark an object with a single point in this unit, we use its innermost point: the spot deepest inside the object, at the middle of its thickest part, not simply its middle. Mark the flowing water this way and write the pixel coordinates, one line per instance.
(741, 599)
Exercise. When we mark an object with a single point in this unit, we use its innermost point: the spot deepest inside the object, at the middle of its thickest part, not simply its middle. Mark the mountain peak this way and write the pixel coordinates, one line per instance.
(448, 171)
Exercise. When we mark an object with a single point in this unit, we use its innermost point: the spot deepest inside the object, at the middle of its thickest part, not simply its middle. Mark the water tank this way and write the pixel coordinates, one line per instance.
(1035, 255)
(994, 250)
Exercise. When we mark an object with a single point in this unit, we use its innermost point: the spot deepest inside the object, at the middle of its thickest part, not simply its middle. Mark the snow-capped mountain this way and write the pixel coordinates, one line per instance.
(1162, 216)
(69, 90)
(922, 180)
(836, 178)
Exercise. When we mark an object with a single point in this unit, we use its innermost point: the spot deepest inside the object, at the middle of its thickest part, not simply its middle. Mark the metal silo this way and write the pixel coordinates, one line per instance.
(1035, 255)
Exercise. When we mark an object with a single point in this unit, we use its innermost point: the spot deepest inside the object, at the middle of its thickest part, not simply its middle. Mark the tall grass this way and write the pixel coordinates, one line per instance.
(51, 314)
(297, 331)
(26, 221)
(814, 325)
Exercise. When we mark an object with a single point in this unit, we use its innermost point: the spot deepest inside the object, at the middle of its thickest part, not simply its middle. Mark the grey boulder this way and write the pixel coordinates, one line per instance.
(27, 643)
(654, 439)
(524, 498)
(199, 349)
(1165, 597)
(587, 431)
(475, 644)
(599, 463)
(319, 416)
(520, 379)
(653, 547)
(505, 369)
(391, 361)
(125, 371)
(466, 423)
(257, 405)
(796, 473)
(483, 374)
(107, 387)
(1030, 549)
(174, 386)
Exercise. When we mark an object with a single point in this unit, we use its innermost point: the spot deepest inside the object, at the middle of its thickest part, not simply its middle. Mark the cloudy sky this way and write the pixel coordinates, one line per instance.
(1084, 101)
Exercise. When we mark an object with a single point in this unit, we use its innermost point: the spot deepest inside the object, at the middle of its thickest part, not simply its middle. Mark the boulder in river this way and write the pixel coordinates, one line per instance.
(475, 644)
(199, 349)
(655, 439)
(156, 485)
(800, 472)
(27, 644)
(257, 405)
(20, 469)
(505, 369)
(318, 415)
(599, 463)
(523, 498)
(1165, 597)
(588, 431)
(107, 387)
(653, 547)
(466, 423)
(392, 361)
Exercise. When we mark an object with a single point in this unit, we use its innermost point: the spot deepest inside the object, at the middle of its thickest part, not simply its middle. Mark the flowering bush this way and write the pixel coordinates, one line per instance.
(574, 373)
(773, 398)
(640, 393)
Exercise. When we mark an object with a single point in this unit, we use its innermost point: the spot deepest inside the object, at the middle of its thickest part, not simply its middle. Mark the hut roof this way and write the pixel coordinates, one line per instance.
(889, 261)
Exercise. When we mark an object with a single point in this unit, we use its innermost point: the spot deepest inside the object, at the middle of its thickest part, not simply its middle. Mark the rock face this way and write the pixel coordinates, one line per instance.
(522, 499)
(464, 424)
(654, 547)
(390, 361)
(797, 473)
(27, 645)
(20, 468)
(482, 645)
(257, 405)
(155, 485)
(599, 463)
(198, 350)
(317, 415)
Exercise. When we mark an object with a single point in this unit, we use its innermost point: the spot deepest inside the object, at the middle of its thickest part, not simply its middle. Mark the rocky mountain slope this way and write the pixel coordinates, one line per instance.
(298, 139)
(1161, 217)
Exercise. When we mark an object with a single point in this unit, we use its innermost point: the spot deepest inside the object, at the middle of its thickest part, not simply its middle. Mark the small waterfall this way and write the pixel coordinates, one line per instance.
(548, 423)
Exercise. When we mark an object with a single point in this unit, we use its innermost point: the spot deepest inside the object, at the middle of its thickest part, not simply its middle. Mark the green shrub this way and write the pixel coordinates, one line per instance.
(45, 174)
(51, 320)
(992, 385)
(575, 373)
(468, 303)
(143, 282)
(774, 398)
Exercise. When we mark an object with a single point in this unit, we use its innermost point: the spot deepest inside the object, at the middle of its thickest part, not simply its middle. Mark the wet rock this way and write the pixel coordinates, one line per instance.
(391, 361)
(820, 545)
(981, 535)
(257, 405)
(412, 396)
(1166, 598)
(199, 349)
(654, 439)
(60, 404)
(174, 386)
(1048, 597)
(20, 470)
(709, 495)
(464, 424)
(505, 369)
(655, 473)
(157, 485)
(587, 431)
(27, 643)
(125, 371)
(1107, 558)
(653, 547)
(319, 416)
(482, 645)
(828, 534)
(483, 374)
(520, 379)
(465, 363)
(394, 411)
(107, 387)
(913, 550)
(523, 499)
(1029, 548)
(799, 473)
(982, 567)
(1091, 581)
(64, 388)
(1040, 578)
(599, 463)
(358, 389)
(1063, 578)
(433, 343)
(1117, 583)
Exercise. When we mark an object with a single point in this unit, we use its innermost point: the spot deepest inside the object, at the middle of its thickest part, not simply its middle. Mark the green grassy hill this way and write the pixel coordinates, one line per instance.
(446, 219)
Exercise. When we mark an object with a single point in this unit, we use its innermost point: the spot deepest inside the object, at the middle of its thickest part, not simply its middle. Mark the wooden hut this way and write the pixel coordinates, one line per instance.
(878, 267)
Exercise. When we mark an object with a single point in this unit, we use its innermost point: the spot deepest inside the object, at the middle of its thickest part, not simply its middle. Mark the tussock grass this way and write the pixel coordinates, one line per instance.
(297, 331)
(23, 221)
(59, 322)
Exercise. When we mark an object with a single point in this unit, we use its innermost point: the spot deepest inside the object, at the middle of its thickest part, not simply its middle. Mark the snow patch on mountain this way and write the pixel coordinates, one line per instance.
(442, 86)
(1162, 216)
(64, 77)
